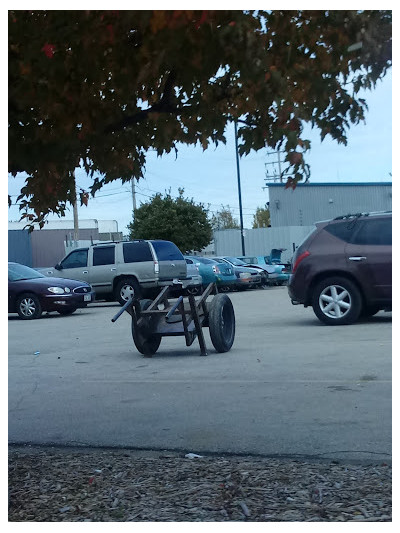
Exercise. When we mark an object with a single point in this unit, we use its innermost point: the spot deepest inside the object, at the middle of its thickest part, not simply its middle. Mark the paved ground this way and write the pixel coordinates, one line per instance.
(289, 387)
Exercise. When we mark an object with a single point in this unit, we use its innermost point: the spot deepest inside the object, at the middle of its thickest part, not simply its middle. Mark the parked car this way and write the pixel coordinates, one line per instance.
(30, 293)
(117, 270)
(277, 273)
(343, 269)
(194, 283)
(246, 277)
(213, 272)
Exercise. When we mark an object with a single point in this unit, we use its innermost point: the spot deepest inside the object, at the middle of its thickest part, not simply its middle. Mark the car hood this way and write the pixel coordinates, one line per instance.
(56, 282)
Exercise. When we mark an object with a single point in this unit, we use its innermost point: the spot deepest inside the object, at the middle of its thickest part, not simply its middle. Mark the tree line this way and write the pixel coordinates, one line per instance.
(184, 222)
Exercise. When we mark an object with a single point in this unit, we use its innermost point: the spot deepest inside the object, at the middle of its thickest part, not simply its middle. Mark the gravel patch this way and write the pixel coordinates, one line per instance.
(96, 485)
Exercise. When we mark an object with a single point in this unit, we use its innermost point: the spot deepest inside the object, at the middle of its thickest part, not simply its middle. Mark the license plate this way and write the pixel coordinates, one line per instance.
(87, 297)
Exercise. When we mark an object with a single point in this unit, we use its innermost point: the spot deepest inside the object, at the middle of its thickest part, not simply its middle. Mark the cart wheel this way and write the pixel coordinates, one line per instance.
(146, 342)
(221, 322)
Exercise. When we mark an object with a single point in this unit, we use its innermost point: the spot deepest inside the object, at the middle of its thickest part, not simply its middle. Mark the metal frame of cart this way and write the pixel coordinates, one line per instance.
(154, 319)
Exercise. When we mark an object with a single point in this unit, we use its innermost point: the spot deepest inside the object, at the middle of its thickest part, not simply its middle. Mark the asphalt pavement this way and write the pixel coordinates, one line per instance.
(289, 387)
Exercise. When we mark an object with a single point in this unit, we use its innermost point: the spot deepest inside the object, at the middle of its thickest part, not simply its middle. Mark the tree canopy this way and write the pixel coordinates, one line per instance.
(179, 220)
(262, 218)
(224, 219)
(100, 88)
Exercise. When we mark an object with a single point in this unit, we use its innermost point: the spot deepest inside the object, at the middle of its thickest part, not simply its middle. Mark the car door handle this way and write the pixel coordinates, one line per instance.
(357, 258)
(113, 269)
(85, 272)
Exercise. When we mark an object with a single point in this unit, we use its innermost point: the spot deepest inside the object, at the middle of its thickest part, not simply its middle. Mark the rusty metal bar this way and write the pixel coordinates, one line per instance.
(199, 330)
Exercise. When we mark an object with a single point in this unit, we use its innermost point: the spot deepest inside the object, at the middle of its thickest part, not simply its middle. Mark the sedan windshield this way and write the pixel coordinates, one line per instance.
(17, 272)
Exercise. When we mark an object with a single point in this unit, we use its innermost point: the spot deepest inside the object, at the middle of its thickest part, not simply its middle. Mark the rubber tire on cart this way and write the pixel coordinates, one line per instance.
(344, 298)
(28, 306)
(221, 322)
(147, 343)
(68, 311)
(126, 288)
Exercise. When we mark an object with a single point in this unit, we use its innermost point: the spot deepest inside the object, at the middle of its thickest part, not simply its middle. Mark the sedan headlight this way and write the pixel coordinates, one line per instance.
(244, 275)
(56, 290)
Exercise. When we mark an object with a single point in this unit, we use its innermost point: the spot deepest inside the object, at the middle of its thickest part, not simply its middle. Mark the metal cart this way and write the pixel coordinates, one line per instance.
(184, 316)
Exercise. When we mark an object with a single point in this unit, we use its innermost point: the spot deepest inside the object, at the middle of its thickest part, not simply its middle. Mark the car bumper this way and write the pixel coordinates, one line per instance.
(248, 282)
(194, 281)
(54, 302)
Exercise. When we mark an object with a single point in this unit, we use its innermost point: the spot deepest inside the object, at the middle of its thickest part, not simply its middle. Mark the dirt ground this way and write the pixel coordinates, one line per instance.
(99, 485)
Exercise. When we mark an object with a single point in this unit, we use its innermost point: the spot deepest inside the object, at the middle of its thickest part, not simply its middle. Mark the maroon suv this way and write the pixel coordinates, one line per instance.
(343, 268)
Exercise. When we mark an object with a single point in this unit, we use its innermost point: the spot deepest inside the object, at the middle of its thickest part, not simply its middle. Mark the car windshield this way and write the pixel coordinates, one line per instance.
(235, 261)
(17, 272)
(204, 260)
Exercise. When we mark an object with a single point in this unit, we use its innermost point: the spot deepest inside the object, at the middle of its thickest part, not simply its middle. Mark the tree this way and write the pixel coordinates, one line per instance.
(262, 218)
(100, 88)
(224, 219)
(179, 220)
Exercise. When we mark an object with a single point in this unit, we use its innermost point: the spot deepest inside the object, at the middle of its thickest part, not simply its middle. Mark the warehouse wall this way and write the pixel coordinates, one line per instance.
(260, 241)
(309, 203)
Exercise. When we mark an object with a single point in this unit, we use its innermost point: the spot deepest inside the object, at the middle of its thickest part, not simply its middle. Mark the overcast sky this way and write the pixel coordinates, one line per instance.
(210, 177)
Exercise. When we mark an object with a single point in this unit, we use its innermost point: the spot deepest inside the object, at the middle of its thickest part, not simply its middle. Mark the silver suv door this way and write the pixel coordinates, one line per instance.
(103, 269)
(171, 262)
(73, 266)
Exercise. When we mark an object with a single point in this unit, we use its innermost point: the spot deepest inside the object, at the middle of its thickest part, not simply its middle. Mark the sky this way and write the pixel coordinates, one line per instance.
(210, 177)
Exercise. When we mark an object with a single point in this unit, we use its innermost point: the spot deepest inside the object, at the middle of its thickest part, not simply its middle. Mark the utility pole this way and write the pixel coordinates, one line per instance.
(239, 190)
(76, 222)
(133, 196)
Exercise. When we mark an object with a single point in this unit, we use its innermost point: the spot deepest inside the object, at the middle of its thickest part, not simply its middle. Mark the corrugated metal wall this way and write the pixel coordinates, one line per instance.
(48, 246)
(309, 203)
(260, 241)
(20, 247)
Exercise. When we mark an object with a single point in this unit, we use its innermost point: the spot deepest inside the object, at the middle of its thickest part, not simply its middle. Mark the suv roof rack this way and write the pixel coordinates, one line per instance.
(357, 215)
(115, 242)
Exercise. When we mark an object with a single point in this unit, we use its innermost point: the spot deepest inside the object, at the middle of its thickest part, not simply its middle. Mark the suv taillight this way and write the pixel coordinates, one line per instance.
(299, 260)
(156, 267)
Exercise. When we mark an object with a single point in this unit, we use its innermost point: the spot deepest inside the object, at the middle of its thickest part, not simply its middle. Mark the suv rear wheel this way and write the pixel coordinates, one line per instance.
(125, 289)
(336, 301)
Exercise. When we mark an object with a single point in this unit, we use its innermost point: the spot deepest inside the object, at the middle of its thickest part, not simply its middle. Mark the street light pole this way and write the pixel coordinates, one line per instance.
(239, 190)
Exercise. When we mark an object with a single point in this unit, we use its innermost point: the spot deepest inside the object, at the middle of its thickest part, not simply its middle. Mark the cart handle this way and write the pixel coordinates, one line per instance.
(174, 308)
(123, 308)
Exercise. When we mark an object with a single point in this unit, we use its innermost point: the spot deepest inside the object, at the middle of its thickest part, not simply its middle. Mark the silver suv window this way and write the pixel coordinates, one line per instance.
(104, 255)
(76, 259)
(136, 252)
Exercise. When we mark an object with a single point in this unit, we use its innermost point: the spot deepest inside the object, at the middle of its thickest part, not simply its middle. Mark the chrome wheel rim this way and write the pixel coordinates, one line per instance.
(127, 292)
(27, 307)
(335, 301)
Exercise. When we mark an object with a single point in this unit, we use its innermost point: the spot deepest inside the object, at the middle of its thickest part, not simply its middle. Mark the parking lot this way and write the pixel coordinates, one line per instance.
(290, 386)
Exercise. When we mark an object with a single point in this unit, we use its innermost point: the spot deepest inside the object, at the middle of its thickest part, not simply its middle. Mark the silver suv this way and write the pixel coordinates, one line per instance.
(117, 270)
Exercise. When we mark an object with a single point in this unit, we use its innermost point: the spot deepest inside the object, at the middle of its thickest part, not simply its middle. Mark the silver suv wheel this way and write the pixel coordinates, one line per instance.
(127, 291)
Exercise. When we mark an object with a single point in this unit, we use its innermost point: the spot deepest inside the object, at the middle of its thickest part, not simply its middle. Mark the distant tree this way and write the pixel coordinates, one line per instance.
(262, 218)
(224, 219)
(98, 89)
(179, 220)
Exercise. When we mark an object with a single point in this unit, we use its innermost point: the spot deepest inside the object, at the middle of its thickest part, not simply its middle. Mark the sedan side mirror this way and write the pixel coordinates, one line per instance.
(58, 266)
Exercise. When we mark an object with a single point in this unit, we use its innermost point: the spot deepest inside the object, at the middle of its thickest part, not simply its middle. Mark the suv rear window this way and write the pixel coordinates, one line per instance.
(167, 251)
(136, 252)
(342, 230)
(375, 232)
